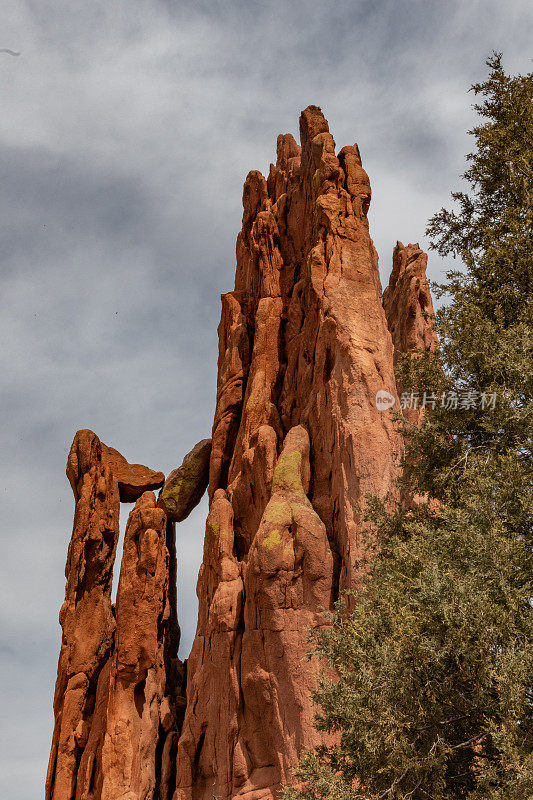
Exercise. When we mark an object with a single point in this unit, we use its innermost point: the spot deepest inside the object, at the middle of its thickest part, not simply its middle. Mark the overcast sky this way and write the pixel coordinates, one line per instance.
(127, 130)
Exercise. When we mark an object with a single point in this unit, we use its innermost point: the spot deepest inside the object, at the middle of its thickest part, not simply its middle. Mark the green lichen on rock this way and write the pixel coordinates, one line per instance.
(272, 539)
(288, 472)
(278, 512)
(185, 486)
(212, 528)
(288, 550)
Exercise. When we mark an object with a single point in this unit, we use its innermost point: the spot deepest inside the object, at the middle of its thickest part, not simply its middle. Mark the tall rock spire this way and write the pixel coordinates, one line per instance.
(410, 315)
(407, 302)
(298, 443)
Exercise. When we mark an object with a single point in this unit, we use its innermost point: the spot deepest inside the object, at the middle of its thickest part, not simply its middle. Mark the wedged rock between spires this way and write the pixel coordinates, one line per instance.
(186, 485)
(133, 479)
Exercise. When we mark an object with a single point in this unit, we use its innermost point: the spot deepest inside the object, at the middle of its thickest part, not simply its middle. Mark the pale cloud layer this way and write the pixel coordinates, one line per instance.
(126, 133)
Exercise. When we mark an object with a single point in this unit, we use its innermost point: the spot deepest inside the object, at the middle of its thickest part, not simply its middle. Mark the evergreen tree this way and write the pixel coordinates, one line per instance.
(434, 695)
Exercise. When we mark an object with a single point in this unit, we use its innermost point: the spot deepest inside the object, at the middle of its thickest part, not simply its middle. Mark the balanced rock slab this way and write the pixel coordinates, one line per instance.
(186, 485)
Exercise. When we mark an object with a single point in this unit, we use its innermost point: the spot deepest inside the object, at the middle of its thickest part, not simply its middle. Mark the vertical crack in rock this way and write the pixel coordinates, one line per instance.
(298, 442)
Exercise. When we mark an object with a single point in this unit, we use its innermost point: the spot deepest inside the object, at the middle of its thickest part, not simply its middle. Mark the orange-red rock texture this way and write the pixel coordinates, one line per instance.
(298, 442)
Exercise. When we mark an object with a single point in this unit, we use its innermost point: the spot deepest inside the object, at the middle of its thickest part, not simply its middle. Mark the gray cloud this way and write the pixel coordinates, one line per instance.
(127, 132)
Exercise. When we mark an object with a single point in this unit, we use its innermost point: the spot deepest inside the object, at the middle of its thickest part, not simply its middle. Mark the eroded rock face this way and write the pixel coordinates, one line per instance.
(288, 586)
(249, 653)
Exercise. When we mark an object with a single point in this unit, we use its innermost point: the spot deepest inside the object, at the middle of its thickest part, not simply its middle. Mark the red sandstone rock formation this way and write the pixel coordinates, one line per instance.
(298, 443)
(248, 696)
(86, 616)
(137, 675)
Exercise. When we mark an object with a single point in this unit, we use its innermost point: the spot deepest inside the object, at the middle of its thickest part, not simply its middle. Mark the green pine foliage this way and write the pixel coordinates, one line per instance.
(433, 694)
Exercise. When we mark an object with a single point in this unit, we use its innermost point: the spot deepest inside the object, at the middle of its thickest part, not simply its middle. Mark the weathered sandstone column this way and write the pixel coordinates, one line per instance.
(298, 444)
(100, 477)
